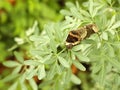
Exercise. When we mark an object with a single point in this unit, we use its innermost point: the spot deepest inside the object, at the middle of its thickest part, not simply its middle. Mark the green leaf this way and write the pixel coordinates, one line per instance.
(112, 21)
(84, 13)
(10, 77)
(58, 32)
(96, 68)
(11, 63)
(48, 29)
(68, 19)
(88, 41)
(51, 72)
(39, 53)
(115, 63)
(14, 86)
(58, 69)
(31, 62)
(41, 72)
(111, 52)
(112, 31)
(116, 25)
(45, 83)
(63, 62)
(82, 57)
(30, 73)
(69, 4)
(102, 74)
(33, 84)
(77, 48)
(58, 85)
(105, 35)
(53, 46)
(68, 76)
(35, 38)
(46, 58)
(109, 1)
(19, 57)
(75, 79)
(17, 70)
(23, 77)
(51, 60)
(65, 12)
(79, 65)
(95, 11)
(116, 44)
(23, 85)
(32, 30)
(73, 57)
(76, 13)
(77, 5)
(63, 78)
(99, 45)
(91, 7)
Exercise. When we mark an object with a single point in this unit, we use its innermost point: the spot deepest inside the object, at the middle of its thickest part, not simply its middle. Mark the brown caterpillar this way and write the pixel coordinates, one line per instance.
(75, 36)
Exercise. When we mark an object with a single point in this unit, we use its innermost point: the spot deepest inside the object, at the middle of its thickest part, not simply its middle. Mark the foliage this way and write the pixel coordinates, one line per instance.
(17, 15)
(51, 61)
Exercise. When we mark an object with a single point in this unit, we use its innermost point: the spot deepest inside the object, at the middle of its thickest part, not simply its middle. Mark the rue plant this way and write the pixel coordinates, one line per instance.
(51, 61)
